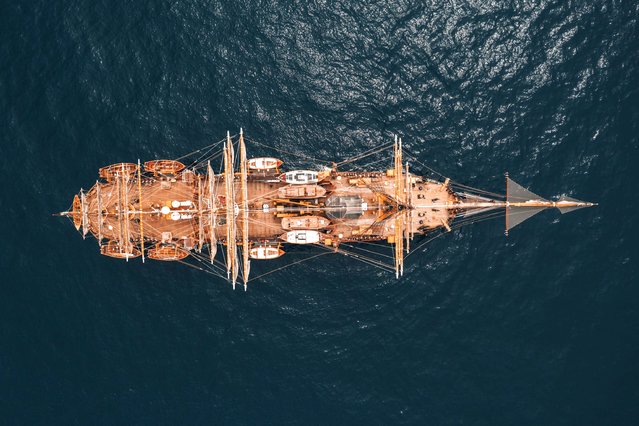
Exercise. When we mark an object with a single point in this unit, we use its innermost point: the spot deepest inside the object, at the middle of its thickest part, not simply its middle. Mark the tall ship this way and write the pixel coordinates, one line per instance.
(256, 210)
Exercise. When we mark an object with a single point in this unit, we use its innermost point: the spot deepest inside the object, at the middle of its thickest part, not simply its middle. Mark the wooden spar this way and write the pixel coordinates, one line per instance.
(83, 203)
(229, 175)
(119, 190)
(228, 225)
(506, 230)
(503, 204)
(233, 222)
(245, 212)
(396, 257)
(409, 212)
(395, 146)
(98, 198)
(140, 210)
(400, 167)
(200, 219)
(212, 214)
(127, 230)
(400, 198)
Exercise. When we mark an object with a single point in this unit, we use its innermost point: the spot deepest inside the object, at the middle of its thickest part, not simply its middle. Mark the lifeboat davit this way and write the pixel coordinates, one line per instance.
(301, 191)
(264, 163)
(299, 177)
(305, 222)
(301, 237)
(265, 252)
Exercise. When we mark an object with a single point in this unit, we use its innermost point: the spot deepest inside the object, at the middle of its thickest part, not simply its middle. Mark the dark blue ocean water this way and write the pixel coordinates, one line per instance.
(540, 328)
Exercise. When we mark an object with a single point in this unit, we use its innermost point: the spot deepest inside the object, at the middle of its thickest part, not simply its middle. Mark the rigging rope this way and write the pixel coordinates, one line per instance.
(368, 251)
(365, 154)
(200, 150)
(305, 156)
(290, 264)
(200, 269)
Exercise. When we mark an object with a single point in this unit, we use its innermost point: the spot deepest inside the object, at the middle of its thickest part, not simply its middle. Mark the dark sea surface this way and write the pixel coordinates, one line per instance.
(540, 328)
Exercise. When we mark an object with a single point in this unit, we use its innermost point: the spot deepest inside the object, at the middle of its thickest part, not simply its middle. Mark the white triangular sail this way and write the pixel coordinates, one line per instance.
(519, 194)
(515, 193)
(517, 215)
(566, 199)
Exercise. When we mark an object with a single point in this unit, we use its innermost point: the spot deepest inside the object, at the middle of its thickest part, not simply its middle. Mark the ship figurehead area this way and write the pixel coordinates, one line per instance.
(254, 210)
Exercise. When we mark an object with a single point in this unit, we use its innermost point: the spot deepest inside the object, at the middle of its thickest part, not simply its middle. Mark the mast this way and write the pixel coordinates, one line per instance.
(409, 212)
(212, 214)
(127, 230)
(231, 244)
(119, 190)
(506, 212)
(227, 194)
(245, 211)
(400, 216)
(234, 223)
(200, 220)
(140, 210)
(98, 197)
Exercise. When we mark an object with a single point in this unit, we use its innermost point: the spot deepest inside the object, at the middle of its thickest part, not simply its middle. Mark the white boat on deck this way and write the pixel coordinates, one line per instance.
(264, 163)
(301, 237)
(301, 191)
(299, 177)
(265, 252)
(305, 222)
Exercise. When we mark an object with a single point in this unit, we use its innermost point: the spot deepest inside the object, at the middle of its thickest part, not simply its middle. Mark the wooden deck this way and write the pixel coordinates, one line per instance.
(169, 210)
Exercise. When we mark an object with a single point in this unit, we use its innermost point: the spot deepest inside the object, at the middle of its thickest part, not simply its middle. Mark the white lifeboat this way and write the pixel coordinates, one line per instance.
(305, 222)
(299, 177)
(264, 163)
(301, 237)
(265, 252)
